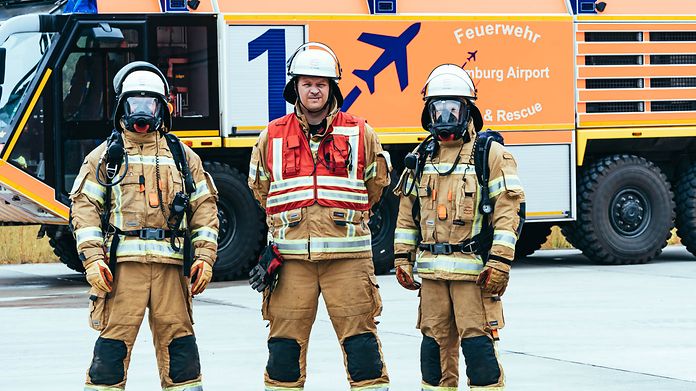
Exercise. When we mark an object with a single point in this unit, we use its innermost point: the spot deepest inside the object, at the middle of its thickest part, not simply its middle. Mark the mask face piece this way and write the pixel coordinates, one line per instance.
(448, 118)
(142, 114)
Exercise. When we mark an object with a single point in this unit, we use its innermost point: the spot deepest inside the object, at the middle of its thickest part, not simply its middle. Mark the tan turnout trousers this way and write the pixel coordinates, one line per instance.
(164, 291)
(456, 314)
(351, 294)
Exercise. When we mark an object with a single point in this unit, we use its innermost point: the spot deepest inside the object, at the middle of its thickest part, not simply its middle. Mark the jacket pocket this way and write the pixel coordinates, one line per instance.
(98, 309)
(465, 205)
(128, 201)
(286, 219)
(174, 185)
(186, 291)
(464, 208)
(428, 213)
(376, 297)
(493, 310)
(513, 186)
(265, 315)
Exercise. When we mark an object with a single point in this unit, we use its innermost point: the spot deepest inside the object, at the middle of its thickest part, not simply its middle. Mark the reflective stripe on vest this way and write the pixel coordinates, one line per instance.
(347, 244)
(298, 181)
(449, 264)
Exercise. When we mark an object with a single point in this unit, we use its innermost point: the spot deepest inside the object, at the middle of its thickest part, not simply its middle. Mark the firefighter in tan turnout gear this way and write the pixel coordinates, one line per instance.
(144, 215)
(460, 235)
(317, 172)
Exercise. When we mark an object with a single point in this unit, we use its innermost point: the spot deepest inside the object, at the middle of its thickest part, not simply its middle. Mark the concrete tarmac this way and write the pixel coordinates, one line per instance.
(570, 325)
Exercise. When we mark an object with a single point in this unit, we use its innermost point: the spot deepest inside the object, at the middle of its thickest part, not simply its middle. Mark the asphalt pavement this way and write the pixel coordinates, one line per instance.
(570, 325)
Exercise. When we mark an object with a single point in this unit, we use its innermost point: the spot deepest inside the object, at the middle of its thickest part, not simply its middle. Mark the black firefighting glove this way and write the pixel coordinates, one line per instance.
(265, 274)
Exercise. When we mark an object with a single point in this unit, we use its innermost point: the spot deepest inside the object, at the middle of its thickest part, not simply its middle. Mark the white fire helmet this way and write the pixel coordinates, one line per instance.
(450, 80)
(141, 78)
(313, 59)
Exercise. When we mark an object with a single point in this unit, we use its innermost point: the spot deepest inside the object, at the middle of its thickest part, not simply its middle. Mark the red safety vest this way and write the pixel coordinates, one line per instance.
(336, 179)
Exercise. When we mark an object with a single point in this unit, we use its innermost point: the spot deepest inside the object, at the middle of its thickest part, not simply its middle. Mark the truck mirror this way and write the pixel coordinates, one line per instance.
(2, 65)
(106, 35)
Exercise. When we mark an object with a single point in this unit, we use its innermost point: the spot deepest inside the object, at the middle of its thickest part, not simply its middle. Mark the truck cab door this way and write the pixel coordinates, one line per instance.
(85, 96)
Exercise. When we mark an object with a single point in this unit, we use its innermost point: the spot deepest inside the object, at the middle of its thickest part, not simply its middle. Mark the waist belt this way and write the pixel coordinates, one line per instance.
(151, 233)
(469, 246)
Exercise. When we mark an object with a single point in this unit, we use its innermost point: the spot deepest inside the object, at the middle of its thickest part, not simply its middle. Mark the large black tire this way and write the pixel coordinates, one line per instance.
(625, 211)
(242, 226)
(382, 225)
(686, 208)
(64, 246)
(532, 237)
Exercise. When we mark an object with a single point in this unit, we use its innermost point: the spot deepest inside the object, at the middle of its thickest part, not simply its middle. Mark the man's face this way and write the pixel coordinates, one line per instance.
(313, 91)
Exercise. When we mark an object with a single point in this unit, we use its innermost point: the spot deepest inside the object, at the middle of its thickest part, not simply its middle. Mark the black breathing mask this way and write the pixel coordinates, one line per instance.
(449, 118)
(142, 114)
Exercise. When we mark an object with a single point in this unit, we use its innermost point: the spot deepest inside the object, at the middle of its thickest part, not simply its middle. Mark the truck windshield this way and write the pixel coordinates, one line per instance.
(24, 51)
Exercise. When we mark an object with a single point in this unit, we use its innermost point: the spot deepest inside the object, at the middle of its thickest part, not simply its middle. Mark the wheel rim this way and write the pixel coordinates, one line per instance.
(630, 212)
(228, 224)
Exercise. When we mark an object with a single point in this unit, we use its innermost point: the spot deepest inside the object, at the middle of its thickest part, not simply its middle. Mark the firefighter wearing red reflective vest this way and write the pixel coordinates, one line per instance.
(317, 172)
(132, 241)
(461, 249)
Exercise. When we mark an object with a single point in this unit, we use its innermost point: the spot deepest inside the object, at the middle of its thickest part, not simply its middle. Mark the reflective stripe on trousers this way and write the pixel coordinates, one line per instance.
(428, 387)
(375, 387)
(197, 386)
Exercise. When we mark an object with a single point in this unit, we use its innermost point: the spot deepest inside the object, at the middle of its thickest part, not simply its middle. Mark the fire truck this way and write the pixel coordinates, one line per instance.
(597, 101)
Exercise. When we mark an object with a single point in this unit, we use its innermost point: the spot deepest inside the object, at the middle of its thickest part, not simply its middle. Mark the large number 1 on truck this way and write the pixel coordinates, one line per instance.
(596, 100)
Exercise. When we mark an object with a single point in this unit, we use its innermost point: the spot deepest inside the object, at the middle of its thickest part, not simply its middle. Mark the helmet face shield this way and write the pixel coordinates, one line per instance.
(144, 105)
(449, 117)
(142, 114)
(445, 112)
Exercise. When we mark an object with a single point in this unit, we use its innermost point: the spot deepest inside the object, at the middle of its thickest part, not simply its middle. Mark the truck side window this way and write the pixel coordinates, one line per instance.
(28, 153)
(88, 71)
(182, 55)
(87, 90)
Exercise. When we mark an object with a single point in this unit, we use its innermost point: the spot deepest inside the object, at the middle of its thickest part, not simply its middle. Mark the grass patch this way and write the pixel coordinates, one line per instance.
(19, 245)
(557, 241)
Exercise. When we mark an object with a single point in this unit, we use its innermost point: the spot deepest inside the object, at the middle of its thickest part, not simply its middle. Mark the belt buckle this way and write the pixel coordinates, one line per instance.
(469, 247)
(152, 234)
(442, 248)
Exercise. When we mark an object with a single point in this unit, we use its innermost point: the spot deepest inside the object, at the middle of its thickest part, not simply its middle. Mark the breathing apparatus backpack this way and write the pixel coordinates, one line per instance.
(415, 161)
(115, 156)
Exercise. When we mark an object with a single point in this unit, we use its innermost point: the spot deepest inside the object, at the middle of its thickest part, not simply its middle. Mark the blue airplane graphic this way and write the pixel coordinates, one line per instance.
(472, 57)
(394, 52)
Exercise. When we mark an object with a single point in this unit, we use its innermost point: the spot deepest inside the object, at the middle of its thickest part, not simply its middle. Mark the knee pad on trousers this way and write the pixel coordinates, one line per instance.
(364, 360)
(184, 362)
(283, 359)
(431, 369)
(107, 363)
(481, 363)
